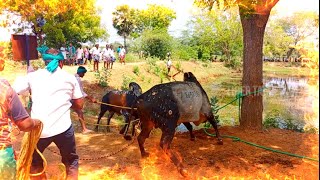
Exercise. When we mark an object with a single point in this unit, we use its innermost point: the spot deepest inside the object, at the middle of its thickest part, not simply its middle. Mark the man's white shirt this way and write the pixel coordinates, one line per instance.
(51, 96)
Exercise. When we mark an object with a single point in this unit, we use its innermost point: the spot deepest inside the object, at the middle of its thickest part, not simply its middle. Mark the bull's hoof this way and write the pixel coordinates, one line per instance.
(96, 129)
(121, 131)
(193, 138)
(145, 155)
(183, 172)
(220, 142)
(127, 137)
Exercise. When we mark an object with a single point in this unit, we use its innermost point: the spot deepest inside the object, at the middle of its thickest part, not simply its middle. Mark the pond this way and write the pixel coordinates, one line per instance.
(289, 103)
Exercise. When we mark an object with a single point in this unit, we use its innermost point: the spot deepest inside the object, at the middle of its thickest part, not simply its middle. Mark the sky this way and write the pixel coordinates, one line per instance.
(183, 9)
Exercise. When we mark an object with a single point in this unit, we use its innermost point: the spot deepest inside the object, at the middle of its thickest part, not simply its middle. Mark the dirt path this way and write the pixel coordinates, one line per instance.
(203, 158)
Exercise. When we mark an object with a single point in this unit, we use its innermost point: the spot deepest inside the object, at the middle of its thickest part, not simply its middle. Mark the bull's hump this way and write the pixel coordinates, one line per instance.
(189, 99)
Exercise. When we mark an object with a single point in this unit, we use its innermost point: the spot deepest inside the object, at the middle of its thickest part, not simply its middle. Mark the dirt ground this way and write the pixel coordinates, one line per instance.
(203, 158)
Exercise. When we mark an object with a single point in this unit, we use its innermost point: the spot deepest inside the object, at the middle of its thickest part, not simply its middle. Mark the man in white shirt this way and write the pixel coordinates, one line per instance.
(63, 50)
(52, 91)
(81, 71)
(95, 51)
(79, 55)
(122, 55)
(106, 56)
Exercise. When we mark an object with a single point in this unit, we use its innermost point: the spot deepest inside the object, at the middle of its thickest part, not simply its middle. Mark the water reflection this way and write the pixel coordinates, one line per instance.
(286, 99)
(291, 99)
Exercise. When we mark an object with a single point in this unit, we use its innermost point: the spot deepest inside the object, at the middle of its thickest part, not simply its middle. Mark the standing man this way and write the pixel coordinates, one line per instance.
(11, 112)
(80, 74)
(63, 50)
(71, 54)
(79, 52)
(52, 91)
(122, 55)
(96, 57)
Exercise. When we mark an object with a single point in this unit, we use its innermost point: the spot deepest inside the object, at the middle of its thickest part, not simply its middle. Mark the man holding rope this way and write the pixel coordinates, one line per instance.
(81, 71)
(52, 91)
(11, 111)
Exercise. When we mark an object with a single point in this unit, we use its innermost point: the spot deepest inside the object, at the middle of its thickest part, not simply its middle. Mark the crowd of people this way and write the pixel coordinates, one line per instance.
(84, 55)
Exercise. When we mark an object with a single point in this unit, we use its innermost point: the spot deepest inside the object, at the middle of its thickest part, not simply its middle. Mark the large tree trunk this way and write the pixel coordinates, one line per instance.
(253, 31)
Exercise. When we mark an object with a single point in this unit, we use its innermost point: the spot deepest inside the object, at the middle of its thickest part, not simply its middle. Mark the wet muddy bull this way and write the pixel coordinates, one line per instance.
(119, 98)
(167, 105)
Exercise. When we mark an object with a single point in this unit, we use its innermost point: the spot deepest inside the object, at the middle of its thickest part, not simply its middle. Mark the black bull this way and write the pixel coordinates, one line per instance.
(165, 106)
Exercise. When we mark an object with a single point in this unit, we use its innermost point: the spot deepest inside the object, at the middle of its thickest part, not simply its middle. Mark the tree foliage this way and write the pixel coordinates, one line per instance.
(276, 41)
(73, 27)
(124, 21)
(156, 43)
(215, 33)
(300, 26)
(154, 17)
(65, 19)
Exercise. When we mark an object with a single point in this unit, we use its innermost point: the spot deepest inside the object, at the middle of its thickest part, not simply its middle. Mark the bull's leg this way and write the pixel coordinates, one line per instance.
(125, 128)
(189, 127)
(101, 114)
(213, 122)
(110, 115)
(166, 139)
(146, 129)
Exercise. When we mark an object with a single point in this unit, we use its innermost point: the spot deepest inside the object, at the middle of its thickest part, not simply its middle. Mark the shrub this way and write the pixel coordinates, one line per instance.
(125, 82)
(136, 70)
(157, 43)
(132, 57)
(103, 77)
(214, 108)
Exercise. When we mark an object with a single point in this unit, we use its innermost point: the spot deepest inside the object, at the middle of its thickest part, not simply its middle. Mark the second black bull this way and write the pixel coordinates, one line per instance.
(167, 105)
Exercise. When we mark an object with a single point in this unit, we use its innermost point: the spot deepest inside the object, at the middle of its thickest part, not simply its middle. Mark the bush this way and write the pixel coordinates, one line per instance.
(184, 53)
(132, 57)
(157, 43)
(125, 82)
(234, 63)
(136, 70)
(214, 108)
(103, 77)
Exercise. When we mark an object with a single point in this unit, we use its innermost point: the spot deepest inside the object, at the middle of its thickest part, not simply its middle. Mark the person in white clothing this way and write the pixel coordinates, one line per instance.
(122, 55)
(79, 53)
(95, 51)
(52, 91)
(63, 50)
(112, 56)
(106, 56)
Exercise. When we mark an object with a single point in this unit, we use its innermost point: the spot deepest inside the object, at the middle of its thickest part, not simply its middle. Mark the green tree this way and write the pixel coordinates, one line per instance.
(59, 16)
(300, 26)
(154, 17)
(156, 43)
(254, 16)
(124, 21)
(215, 33)
(73, 27)
(276, 41)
